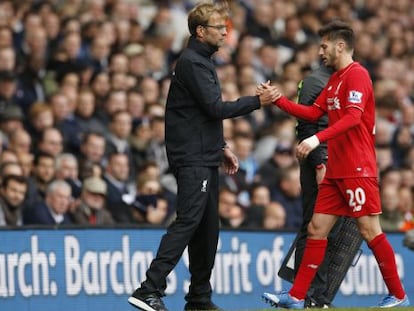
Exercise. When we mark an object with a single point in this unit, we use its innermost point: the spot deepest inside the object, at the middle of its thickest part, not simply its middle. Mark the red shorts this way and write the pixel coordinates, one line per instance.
(353, 197)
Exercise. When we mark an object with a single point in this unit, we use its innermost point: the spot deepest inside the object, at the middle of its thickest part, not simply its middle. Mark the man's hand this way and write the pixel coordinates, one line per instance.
(231, 163)
(306, 146)
(267, 93)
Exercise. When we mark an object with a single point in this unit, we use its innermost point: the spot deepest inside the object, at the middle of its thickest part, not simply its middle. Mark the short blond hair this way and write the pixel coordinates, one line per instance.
(201, 13)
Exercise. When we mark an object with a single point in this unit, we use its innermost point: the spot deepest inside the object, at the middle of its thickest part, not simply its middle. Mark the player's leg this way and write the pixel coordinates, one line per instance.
(377, 241)
(365, 206)
(313, 256)
(321, 224)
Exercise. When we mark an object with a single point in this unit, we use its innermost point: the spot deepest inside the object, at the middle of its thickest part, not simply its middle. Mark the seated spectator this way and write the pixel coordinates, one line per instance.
(151, 170)
(67, 169)
(20, 141)
(255, 212)
(85, 112)
(230, 212)
(40, 118)
(8, 88)
(43, 173)
(91, 209)
(8, 156)
(26, 162)
(270, 171)
(12, 193)
(119, 130)
(288, 194)
(54, 209)
(150, 207)
(51, 141)
(11, 119)
(274, 217)
(10, 168)
(406, 207)
(139, 140)
(391, 218)
(118, 198)
(92, 150)
(156, 150)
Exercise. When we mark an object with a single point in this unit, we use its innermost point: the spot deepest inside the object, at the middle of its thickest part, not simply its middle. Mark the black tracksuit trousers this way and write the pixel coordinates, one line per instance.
(196, 226)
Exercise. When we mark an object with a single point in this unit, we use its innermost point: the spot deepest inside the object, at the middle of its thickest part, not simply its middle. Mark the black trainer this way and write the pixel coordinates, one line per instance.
(195, 306)
(311, 303)
(149, 302)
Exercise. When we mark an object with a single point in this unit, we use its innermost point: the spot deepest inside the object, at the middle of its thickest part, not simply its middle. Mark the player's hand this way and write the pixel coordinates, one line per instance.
(306, 146)
(267, 93)
(231, 163)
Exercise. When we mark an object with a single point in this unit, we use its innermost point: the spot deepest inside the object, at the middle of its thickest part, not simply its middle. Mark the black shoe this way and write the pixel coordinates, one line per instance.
(149, 302)
(195, 306)
(311, 303)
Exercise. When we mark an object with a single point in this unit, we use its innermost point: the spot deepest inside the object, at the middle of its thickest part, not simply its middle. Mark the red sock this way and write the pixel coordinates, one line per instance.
(312, 258)
(385, 256)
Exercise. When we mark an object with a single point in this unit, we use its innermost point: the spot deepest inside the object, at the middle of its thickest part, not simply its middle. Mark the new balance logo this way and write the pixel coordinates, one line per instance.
(204, 186)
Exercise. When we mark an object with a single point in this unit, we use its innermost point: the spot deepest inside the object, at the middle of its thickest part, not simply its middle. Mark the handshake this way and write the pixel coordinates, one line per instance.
(267, 93)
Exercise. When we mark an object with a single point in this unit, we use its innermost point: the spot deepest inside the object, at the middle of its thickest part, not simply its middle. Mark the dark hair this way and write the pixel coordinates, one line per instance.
(17, 178)
(338, 30)
(41, 154)
(86, 135)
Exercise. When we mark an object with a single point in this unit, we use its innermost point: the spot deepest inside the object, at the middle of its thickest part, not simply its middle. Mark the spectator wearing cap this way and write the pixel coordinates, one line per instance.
(270, 171)
(54, 210)
(91, 209)
(137, 63)
(11, 120)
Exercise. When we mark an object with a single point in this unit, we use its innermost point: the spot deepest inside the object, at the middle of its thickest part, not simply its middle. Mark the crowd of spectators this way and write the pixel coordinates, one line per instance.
(83, 85)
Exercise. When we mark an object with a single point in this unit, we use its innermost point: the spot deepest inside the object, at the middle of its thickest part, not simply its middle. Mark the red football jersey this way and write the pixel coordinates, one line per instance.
(351, 154)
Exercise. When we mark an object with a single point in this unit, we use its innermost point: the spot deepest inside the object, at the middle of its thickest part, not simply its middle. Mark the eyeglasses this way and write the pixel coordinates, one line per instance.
(218, 27)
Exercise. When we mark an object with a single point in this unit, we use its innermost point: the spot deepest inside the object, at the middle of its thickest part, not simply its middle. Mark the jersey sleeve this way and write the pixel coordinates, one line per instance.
(357, 88)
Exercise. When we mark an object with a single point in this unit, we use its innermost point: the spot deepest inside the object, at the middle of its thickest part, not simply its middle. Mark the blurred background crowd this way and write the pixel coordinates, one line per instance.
(83, 85)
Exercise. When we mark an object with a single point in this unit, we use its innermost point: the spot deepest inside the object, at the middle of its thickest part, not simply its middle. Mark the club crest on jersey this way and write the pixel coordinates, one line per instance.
(204, 185)
(355, 97)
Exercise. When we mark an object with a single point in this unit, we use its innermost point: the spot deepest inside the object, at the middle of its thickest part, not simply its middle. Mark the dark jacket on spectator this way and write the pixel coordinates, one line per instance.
(40, 214)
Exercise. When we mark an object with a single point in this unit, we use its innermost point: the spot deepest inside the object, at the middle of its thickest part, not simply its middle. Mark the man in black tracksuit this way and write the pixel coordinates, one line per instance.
(195, 149)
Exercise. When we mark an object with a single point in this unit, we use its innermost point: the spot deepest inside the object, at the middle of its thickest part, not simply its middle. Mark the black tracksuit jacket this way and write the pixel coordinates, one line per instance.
(194, 111)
